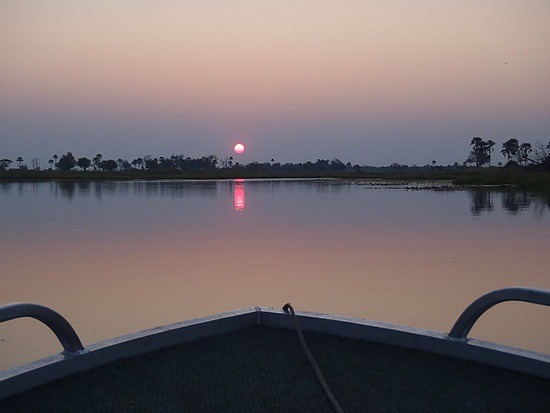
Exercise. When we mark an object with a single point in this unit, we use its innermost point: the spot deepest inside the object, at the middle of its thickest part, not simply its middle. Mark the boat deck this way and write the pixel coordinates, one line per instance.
(263, 369)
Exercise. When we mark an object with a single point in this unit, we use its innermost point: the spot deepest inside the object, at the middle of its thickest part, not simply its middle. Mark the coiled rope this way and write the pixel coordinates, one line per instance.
(287, 308)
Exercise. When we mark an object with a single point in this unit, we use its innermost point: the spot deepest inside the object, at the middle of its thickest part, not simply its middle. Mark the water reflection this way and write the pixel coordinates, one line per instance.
(239, 195)
(67, 189)
(482, 201)
(513, 202)
(99, 189)
(102, 251)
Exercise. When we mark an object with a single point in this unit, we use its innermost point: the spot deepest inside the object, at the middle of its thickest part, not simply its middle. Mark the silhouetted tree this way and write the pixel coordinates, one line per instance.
(51, 163)
(523, 153)
(137, 163)
(55, 158)
(19, 161)
(5, 164)
(66, 162)
(151, 163)
(337, 165)
(165, 163)
(123, 164)
(223, 162)
(541, 155)
(208, 162)
(97, 160)
(108, 165)
(83, 163)
(510, 148)
(481, 151)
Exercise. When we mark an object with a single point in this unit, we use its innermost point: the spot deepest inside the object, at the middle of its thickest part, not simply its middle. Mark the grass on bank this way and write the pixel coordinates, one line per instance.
(530, 180)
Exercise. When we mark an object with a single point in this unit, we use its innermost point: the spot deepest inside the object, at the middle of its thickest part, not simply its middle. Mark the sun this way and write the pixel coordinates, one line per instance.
(239, 148)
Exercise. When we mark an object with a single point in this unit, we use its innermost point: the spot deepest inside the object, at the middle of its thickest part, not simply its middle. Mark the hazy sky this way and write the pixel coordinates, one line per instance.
(367, 81)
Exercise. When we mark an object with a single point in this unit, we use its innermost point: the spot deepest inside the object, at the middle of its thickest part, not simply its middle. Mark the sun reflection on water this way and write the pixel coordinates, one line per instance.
(239, 195)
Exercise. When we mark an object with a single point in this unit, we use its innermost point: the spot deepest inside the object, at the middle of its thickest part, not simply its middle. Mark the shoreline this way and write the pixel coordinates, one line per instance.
(528, 180)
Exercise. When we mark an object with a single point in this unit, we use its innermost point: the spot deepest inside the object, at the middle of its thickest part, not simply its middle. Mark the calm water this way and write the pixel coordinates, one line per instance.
(116, 257)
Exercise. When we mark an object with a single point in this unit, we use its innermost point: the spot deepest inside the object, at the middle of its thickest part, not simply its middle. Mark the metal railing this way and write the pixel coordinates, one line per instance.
(465, 322)
(72, 344)
(59, 325)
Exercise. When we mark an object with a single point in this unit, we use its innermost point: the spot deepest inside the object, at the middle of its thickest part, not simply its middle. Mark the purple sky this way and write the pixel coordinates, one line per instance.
(371, 82)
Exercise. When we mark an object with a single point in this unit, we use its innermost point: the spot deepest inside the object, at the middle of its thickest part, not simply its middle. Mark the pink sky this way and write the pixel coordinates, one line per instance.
(372, 82)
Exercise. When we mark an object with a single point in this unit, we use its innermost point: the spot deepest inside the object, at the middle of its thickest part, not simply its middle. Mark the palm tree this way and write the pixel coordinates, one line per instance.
(19, 161)
(477, 154)
(510, 148)
(481, 151)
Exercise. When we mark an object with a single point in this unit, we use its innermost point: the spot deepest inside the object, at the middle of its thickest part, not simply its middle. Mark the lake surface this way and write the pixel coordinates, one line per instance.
(117, 257)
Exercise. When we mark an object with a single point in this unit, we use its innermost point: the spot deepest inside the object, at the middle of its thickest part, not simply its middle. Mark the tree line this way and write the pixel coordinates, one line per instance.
(69, 162)
(516, 154)
(181, 163)
(523, 154)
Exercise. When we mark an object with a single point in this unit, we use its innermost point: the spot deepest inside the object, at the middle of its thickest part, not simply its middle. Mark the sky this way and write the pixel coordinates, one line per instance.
(367, 81)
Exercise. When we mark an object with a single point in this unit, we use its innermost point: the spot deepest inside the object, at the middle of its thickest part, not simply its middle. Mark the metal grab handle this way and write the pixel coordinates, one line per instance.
(470, 315)
(55, 321)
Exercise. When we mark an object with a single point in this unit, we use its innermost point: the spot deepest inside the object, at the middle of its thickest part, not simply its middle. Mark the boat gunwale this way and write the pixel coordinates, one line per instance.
(29, 375)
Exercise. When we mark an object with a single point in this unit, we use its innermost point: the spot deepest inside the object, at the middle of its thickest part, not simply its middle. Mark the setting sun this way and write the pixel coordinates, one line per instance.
(239, 148)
